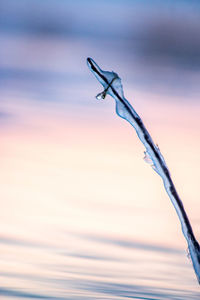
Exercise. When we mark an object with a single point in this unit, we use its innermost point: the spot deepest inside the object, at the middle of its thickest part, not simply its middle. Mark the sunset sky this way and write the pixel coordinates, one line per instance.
(68, 162)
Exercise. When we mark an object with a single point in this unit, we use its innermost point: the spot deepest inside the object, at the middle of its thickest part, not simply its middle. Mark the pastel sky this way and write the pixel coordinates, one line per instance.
(67, 161)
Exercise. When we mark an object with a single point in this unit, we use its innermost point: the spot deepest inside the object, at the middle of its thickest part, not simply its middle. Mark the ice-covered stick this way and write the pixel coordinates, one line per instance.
(112, 86)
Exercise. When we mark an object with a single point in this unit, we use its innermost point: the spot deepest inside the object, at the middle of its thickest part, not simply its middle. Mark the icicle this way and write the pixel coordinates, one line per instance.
(101, 96)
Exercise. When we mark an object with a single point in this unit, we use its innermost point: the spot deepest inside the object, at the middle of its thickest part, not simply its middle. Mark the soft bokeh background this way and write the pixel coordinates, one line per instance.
(82, 215)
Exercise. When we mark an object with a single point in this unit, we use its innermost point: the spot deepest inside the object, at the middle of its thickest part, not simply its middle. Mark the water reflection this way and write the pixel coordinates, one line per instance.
(133, 244)
(20, 294)
(118, 272)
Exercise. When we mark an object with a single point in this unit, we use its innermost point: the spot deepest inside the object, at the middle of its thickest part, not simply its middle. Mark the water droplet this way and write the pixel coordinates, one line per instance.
(147, 158)
(101, 96)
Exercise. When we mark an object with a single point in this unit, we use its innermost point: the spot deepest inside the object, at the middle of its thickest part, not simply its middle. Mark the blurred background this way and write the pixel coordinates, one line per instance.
(82, 215)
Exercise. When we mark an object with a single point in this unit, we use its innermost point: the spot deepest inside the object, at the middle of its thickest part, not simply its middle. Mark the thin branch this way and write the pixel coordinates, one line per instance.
(112, 86)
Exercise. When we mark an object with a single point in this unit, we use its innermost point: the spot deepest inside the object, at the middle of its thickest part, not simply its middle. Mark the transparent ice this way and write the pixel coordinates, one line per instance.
(112, 85)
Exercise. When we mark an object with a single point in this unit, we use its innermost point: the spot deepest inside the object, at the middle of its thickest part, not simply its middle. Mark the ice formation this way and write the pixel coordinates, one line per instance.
(112, 86)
